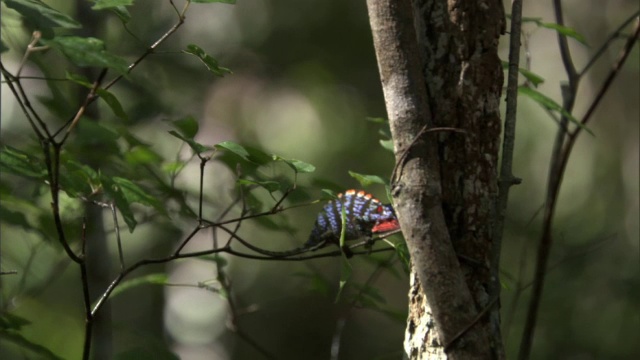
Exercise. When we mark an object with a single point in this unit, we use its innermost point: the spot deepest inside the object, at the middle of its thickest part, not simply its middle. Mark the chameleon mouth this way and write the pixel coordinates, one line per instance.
(386, 226)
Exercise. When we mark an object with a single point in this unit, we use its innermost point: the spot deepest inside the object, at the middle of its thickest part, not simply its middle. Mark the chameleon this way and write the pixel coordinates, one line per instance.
(364, 216)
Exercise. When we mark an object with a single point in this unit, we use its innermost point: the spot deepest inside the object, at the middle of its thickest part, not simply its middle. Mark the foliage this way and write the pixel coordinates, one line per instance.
(87, 156)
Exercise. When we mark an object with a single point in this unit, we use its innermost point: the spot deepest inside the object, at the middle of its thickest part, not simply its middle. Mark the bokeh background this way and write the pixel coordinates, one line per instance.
(304, 81)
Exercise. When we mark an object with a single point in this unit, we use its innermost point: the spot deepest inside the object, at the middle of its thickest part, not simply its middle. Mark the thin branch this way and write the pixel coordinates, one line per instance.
(151, 49)
(88, 100)
(10, 79)
(114, 213)
(508, 143)
(614, 36)
(553, 191)
(88, 323)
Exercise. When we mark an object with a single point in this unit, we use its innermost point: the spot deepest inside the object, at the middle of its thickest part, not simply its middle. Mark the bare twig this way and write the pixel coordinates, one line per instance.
(506, 167)
(555, 182)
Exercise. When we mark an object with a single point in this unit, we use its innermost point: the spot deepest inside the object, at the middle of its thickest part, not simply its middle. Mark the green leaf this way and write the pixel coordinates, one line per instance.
(135, 194)
(234, 148)
(8, 321)
(121, 202)
(113, 103)
(367, 180)
(197, 147)
(214, 1)
(122, 13)
(533, 78)
(79, 79)
(3, 47)
(26, 344)
(87, 52)
(549, 104)
(108, 4)
(187, 126)
(566, 31)
(387, 144)
(142, 155)
(210, 62)
(151, 279)
(41, 15)
(297, 165)
(328, 194)
(371, 292)
(377, 120)
(216, 258)
(173, 167)
(301, 166)
(105, 95)
(270, 186)
(86, 174)
(403, 253)
(316, 282)
(20, 163)
(14, 218)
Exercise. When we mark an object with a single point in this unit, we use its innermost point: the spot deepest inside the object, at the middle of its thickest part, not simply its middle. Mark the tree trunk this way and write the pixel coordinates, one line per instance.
(442, 80)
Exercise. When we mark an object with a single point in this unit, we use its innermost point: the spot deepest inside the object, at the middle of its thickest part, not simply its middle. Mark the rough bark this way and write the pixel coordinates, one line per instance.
(439, 68)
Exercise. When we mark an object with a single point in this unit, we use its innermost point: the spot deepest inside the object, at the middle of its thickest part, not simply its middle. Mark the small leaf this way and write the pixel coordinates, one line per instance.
(26, 344)
(9, 321)
(187, 126)
(108, 4)
(403, 253)
(121, 202)
(105, 95)
(216, 258)
(328, 194)
(297, 165)
(549, 104)
(79, 79)
(13, 218)
(122, 13)
(135, 194)
(315, 282)
(377, 120)
(371, 292)
(142, 155)
(87, 52)
(270, 186)
(566, 31)
(151, 279)
(234, 148)
(41, 15)
(20, 163)
(533, 78)
(173, 167)
(367, 180)
(387, 144)
(210, 62)
(197, 147)
(113, 103)
(301, 166)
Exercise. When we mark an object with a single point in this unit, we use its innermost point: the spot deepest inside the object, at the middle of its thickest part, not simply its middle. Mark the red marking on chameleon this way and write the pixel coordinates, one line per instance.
(385, 226)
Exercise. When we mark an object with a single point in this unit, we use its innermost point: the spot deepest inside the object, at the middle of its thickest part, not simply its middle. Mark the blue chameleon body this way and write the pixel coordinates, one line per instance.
(364, 215)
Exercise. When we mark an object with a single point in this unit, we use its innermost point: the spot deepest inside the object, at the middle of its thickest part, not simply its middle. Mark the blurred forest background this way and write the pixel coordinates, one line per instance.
(304, 82)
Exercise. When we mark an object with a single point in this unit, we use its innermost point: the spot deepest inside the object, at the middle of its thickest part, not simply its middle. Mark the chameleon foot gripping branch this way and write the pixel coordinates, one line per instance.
(364, 216)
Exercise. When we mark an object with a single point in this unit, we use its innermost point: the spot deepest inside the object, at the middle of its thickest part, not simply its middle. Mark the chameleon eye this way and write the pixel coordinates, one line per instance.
(379, 210)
